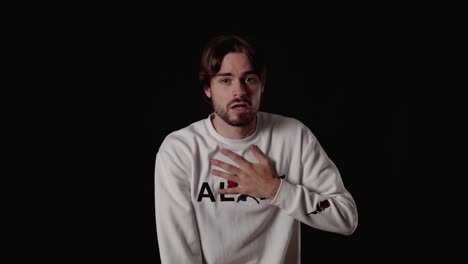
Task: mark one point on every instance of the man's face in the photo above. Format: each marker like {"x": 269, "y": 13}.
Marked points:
{"x": 235, "y": 90}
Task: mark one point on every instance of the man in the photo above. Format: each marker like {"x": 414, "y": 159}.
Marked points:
{"x": 233, "y": 188}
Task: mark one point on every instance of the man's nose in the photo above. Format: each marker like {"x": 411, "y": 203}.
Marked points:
{"x": 239, "y": 89}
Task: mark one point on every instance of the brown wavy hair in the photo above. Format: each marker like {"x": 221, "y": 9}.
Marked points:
{"x": 218, "y": 47}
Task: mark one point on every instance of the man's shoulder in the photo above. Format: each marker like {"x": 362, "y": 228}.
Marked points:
{"x": 189, "y": 130}
{"x": 184, "y": 135}
{"x": 287, "y": 128}
{"x": 282, "y": 121}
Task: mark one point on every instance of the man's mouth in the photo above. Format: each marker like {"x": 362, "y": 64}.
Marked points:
{"x": 240, "y": 107}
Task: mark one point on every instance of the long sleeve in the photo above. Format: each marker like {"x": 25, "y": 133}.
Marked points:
{"x": 317, "y": 197}
{"x": 177, "y": 232}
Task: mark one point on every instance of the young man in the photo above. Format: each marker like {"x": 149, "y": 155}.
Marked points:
{"x": 233, "y": 188}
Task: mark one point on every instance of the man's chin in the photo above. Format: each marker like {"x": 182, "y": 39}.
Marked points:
{"x": 241, "y": 119}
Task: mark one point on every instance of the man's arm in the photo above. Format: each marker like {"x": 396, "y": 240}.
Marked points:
{"x": 177, "y": 232}
{"x": 319, "y": 199}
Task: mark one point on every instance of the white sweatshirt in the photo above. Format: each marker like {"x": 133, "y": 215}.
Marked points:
{"x": 197, "y": 225}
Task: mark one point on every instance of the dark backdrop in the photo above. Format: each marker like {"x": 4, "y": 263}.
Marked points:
{"x": 132, "y": 83}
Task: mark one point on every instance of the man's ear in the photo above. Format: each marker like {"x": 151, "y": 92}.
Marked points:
{"x": 207, "y": 90}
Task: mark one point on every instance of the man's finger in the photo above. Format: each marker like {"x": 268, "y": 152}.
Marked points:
{"x": 261, "y": 157}
{"x": 224, "y": 175}
{"x": 236, "y": 158}
{"x": 226, "y": 166}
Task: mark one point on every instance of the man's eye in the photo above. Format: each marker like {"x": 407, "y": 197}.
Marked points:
{"x": 225, "y": 81}
{"x": 251, "y": 80}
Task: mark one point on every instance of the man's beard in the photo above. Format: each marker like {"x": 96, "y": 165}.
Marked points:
{"x": 242, "y": 119}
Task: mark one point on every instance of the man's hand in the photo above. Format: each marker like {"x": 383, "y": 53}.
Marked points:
{"x": 257, "y": 180}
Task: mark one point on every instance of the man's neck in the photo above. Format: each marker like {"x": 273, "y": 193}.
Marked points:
{"x": 233, "y": 132}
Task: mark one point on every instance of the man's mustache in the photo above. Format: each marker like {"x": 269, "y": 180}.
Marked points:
{"x": 240, "y": 100}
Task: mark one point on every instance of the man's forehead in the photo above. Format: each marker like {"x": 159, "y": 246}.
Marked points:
{"x": 238, "y": 59}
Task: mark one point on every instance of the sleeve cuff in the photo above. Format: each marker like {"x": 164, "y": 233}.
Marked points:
{"x": 271, "y": 201}
{"x": 285, "y": 195}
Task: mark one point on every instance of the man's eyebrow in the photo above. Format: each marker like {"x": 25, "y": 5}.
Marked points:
{"x": 223, "y": 74}
{"x": 230, "y": 74}
{"x": 250, "y": 72}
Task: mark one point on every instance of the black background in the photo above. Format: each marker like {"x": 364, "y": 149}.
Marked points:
{"x": 127, "y": 81}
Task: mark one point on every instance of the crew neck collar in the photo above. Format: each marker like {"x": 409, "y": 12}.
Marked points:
{"x": 232, "y": 142}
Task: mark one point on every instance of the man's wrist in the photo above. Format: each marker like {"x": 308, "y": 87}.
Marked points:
{"x": 276, "y": 184}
